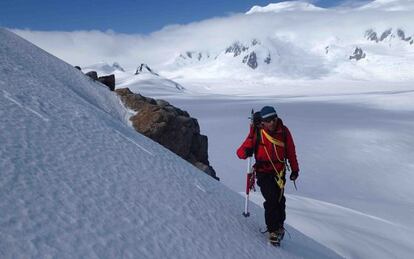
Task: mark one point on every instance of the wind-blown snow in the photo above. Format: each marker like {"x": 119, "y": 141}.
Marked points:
{"x": 78, "y": 182}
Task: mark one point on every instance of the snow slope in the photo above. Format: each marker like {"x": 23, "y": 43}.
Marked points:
{"x": 356, "y": 158}
{"x": 150, "y": 82}
{"x": 354, "y": 147}
{"x": 77, "y": 182}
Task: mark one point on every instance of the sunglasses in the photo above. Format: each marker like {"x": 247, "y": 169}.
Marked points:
{"x": 270, "y": 119}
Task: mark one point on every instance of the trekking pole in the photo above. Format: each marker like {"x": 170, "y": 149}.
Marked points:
{"x": 249, "y": 175}
{"x": 288, "y": 169}
{"x": 249, "y": 178}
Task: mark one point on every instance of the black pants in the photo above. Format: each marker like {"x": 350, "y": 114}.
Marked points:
{"x": 274, "y": 206}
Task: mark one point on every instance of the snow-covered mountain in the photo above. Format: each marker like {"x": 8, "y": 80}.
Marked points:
{"x": 104, "y": 68}
{"x": 253, "y": 58}
{"x": 389, "y": 5}
{"x": 390, "y": 36}
{"x": 142, "y": 80}
{"x": 297, "y": 40}
{"x": 284, "y": 7}
{"x": 285, "y": 59}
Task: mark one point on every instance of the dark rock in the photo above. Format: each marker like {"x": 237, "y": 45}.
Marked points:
{"x": 237, "y": 48}
{"x": 371, "y": 35}
{"x": 200, "y": 143}
{"x": 251, "y": 60}
{"x": 358, "y": 54}
{"x": 207, "y": 169}
{"x": 93, "y": 75}
{"x": 134, "y": 101}
{"x": 268, "y": 59}
{"x": 385, "y": 34}
{"x": 255, "y": 42}
{"x": 108, "y": 81}
{"x": 401, "y": 35}
{"x": 78, "y": 68}
{"x": 162, "y": 103}
{"x": 170, "y": 126}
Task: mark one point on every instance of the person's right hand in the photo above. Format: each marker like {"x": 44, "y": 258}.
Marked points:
{"x": 248, "y": 152}
{"x": 257, "y": 119}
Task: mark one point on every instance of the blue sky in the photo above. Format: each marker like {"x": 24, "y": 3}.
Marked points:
{"x": 126, "y": 16}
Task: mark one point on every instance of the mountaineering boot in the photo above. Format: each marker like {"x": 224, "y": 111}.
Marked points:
{"x": 280, "y": 234}
{"x": 274, "y": 238}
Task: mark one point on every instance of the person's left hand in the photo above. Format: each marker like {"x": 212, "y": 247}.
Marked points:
{"x": 294, "y": 175}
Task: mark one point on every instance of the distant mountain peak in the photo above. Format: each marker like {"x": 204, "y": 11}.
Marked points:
{"x": 236, "y": 49}
{"x": 104, "y": 67}
{"x": 284, "y": 7}
{"x": 194, "y": 55}
{"x": 389, "y": 34}
{"x": 389, "y": 5}
{"x": 144, "y": 68}
{"x": 117, "y": 66}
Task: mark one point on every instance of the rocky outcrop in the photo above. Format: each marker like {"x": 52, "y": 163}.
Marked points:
{"x": 401, "y": 35}
{"x": 358, "y": 54}
{"x": 251, "y": 60}
{"x": 108, "y": 81}
{"x": 236, "y": 49}
{"x": 170, "y": 127}
{"x": 92, "y": 74}
{"x": 268, "y": 59}
{"x": 385, "y": 34}
{"x": 388, "y": 34}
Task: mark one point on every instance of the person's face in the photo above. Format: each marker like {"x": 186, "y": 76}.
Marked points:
{"x": 269, "y": 124}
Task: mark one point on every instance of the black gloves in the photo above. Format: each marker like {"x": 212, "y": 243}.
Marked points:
{"x": 257, "y": 119}
{"x": 248, "y": 152}
{"x": 294, "y": 175}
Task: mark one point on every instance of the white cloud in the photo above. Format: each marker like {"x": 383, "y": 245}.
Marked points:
{"x": 353, "y": 3}
{"x": 303, "y": 28}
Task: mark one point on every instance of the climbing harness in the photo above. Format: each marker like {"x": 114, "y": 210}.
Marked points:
{"x": 278, "y": 174}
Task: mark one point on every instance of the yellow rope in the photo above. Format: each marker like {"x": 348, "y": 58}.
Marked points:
{"x": 279, "y": 175}
{"x": 272, "y": 139}
{"x": 279, "y": 181}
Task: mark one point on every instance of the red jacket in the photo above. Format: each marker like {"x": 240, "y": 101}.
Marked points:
{"x": 262, "y": 164}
